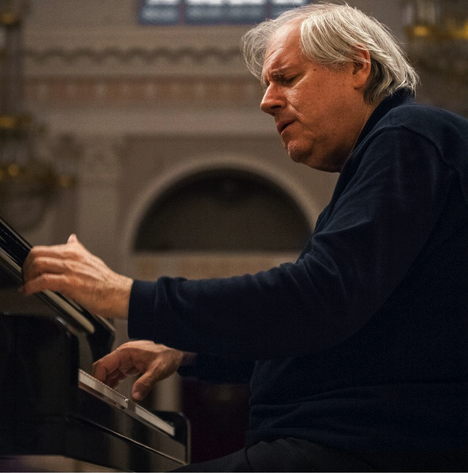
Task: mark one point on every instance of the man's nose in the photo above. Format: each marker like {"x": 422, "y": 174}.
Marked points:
{"x": 272, "y": 100}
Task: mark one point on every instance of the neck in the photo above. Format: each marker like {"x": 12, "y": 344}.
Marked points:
{"x": 366, "y": 113}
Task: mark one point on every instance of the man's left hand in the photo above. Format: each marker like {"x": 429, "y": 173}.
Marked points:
{"x": 152, "y": 361}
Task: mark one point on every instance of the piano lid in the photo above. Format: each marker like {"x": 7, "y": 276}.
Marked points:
{"x": 13, "y": 251}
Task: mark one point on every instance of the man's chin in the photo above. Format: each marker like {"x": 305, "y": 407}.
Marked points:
{"x": 305, "y": 155}
{"x": 296, "y": 155}
{"x": 313, "y": 162}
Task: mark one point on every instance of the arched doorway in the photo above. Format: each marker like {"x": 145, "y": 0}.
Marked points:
{"x": 223, "y": 210}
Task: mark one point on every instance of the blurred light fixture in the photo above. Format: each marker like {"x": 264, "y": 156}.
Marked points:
{"x": 437, "y": 31}
{"x": 27, "y": 183}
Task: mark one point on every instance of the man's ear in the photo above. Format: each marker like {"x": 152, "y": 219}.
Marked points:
{"x": 361, "y": 67}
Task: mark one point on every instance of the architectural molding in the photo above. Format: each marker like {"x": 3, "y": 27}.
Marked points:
{"x": 73, "y": 91}
{"x": 126, "y": 55}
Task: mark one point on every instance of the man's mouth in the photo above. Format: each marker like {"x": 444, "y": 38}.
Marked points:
{"x": 281, "y": 126}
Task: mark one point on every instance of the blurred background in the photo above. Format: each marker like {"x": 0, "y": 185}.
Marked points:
{"x": 135, "y": 124}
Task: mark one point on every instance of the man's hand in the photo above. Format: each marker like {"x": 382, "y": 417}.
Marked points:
{"x": 72, "y": 270}
{"x": 152, "y": 361}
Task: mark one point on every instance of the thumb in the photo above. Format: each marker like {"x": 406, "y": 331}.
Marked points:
{"x": 72, "y": 238}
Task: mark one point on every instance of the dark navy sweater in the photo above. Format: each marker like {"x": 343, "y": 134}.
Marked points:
{"x": 362, "y": 343}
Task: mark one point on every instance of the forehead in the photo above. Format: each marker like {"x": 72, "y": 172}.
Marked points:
{"x": 283, "y": 48}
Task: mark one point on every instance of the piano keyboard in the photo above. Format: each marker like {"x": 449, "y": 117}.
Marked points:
{"x": 96, "y": 387}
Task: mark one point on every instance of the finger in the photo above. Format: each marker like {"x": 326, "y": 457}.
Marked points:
{"x": 144, "y": 384}
{"x": 45, "y": 265}
{"x": 39, "y": 256}
{"x": 51, "y": 282}
{"x": 114, "y": 379}
{"x": 53, "y": 250}
{"x": 71, "y": 251}
{"x": 114, "y": 367}
{"x": 100, "y": 371}
{"x": 107, "y": 365}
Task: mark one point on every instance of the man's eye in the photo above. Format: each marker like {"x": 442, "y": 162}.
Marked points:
{"x": 288, "y": 80}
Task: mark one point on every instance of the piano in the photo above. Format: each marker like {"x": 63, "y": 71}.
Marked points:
{"x": 54, "y": 415}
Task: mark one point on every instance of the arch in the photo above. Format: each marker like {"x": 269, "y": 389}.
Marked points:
{"x": 199, "y": 164}
{"x": 223, "y": 210}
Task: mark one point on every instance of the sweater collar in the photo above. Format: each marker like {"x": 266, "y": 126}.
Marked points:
{"x": 400, "y": 97}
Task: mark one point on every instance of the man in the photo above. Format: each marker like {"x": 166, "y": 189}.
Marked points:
{"x": 358, "y": 349}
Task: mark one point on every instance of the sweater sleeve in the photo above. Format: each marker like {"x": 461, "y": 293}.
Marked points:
{"x": 388, "y": 200}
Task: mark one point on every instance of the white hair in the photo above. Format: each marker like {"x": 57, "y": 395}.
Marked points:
{"x": 332, "y": 35}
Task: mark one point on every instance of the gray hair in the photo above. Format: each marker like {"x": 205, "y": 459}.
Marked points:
{"x": 332, "y": 35}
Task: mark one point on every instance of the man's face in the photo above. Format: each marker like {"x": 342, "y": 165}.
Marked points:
{"x": 319, "y": 111}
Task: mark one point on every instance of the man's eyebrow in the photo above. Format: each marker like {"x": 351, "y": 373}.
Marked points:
{"x": 279, "y": 74}
{"x": 276, "y": 74}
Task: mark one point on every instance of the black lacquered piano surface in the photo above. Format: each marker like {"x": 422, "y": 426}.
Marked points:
{"x": 54, "y": 415}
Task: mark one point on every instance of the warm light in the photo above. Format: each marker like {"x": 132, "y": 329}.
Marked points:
{"x": 420, "y": 31}
{"x": 66, "y": 182}
{"x": 10, "y": 122}
{"x": 462, "y": 33}
{"x": 13, "y": 170}
{"x": 27, "y": 181}
{"x": 9, "y": 18}
{"x": 438, "y": 32}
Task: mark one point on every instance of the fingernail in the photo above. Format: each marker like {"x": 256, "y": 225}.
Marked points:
{"x": 137, "y": 396}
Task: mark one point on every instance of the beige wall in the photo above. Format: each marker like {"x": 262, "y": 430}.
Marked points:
{"x": 127, "y": 103}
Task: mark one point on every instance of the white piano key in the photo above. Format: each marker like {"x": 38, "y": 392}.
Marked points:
{"x": 90, "y": 382}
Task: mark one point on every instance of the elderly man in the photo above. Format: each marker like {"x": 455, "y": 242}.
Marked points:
{"x": 357, "y": 352}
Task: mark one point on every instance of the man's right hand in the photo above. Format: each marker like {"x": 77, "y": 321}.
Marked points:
{"x": 78, "y": 274}
{"x": 152, "y": 361}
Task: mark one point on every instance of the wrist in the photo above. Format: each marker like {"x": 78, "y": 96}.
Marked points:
{"x": 123, "y": 296}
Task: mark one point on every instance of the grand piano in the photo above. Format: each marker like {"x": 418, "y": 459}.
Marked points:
{"x": 54, "y": 415}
